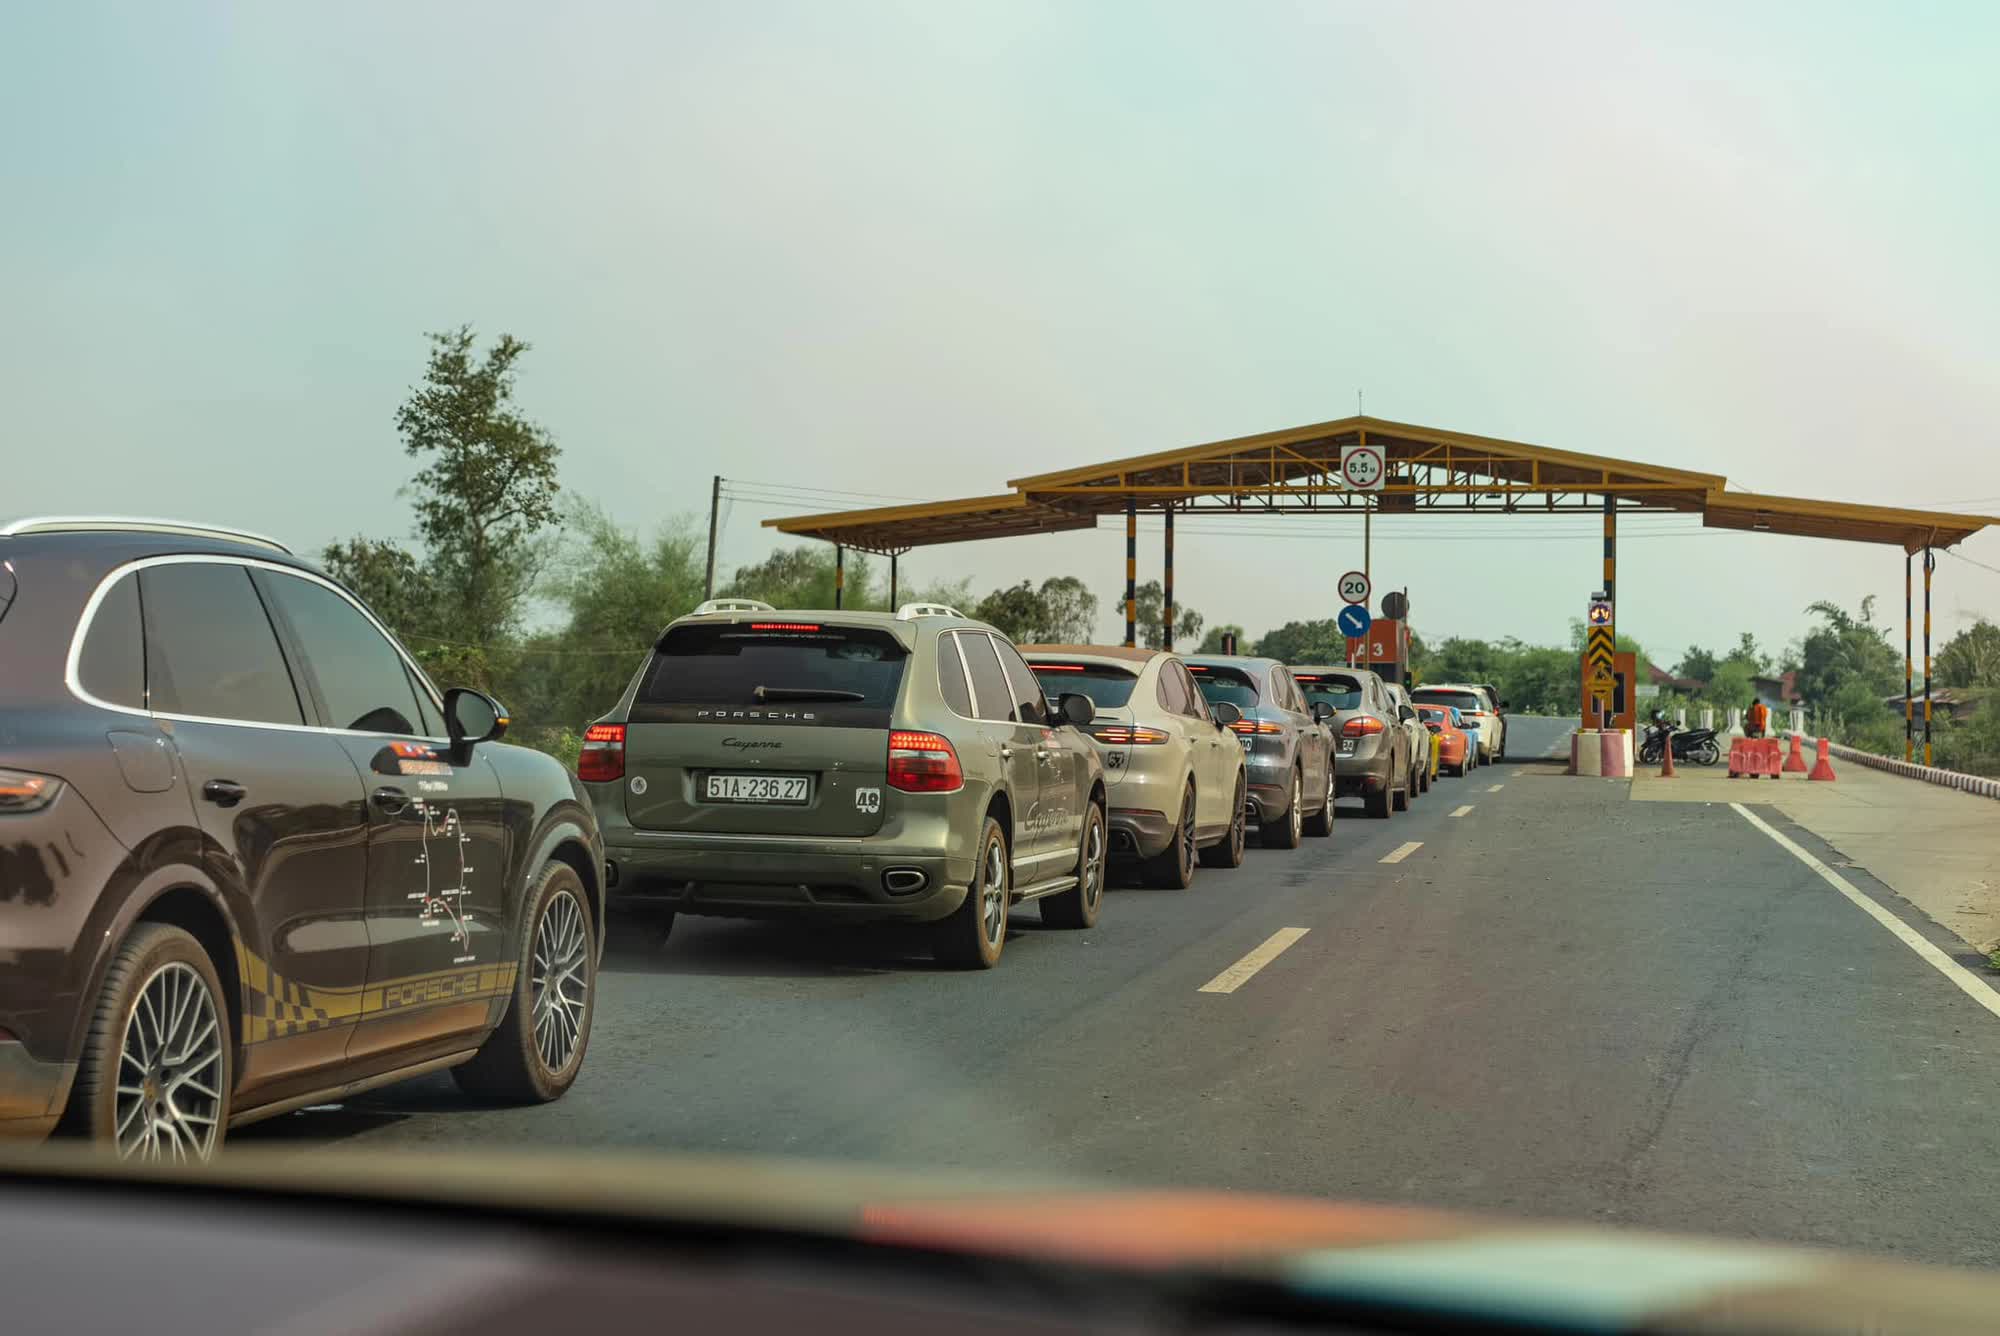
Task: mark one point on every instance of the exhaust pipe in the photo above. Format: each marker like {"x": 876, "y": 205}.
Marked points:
{"x": 904, "y": 880}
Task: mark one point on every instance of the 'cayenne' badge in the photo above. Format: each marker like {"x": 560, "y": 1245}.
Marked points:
{"x": 638, "y": 783}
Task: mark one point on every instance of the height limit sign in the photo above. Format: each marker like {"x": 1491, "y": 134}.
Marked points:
{"x": 1363, "y": 467}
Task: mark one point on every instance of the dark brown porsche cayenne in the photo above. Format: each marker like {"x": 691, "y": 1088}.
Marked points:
{"x": 250, "y": 858}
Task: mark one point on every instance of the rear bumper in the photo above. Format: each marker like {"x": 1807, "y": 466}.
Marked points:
{"x": 1138, "y": 834}
{"x": 754, "y": 880}
{"x": 1365, "y": 769}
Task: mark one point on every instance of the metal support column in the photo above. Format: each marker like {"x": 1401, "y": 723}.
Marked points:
{"x": 1131, "y": 573}
{"x": 1167, "y": 590}
{"x": 1909, "y": 705}
{"x": 839, "y": 573}
{"x": 1930, "y": 564}
{"x": 892, "y": 582}
{"x": 1611, "y": 592}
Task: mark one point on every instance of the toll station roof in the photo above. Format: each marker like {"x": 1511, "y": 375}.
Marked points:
{"x": 1428, "y": 471}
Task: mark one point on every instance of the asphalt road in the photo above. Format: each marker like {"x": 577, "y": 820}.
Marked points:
{"x": 1560, "y": 1004}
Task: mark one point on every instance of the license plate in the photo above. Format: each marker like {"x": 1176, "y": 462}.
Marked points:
{"x": 758, "y": 788}
{"x": 1347, "y": 746}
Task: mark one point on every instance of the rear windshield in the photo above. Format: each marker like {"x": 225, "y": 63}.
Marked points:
{"x": 1108, "y": 688}
{"x": 825, "y": 671}
{"x": 1434, "y": 714}
{"x": 1337, "y": 690}
{"x": 1458, "y": 700}
{"x": 1225, "y": 684}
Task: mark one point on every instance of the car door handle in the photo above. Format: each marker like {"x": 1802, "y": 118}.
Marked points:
{"x": 391, "y": 799}
{"x": 223, "y": 792}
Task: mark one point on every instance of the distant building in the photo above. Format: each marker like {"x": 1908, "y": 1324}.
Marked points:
{"x": 1946, "y": 702}
{"x": 1667, "y": 682}
{"x": 1780, "y": 692}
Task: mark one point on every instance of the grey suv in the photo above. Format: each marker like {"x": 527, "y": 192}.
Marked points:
{"x": 849, "y": 767}
{"x": 1375, "y": 755}
{"x": 1287, "y": 744}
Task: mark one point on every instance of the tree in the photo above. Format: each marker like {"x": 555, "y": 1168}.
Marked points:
{"x": 389, "y": 580}
{"x": 1747, "y": 654}
{"x": 803, "y": 577}
{"x": 1972, "y": 658}
{"x": 487, "y": 486}
{"x": 1845, "y": 650}
{"x": 1730, "y": 686}
{"x": 1304, "y": 642}
{"x": 1061, "y": 612}
{"x": 1212, "y": 640}
{"x": 1697, "y": 665}
{"x": 1152, "y": 599}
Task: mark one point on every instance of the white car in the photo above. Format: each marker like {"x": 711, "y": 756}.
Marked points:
{"x": 1420, "y": 737}
{"x": 1481, "y": 711}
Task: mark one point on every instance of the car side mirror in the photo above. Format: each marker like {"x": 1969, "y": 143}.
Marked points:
{"x": 1322, "y": 712}
{"x": 1076, "y": 708}
{"x": 471, "y": 717}
{"x": 1406, "y": 713}
{"x": 1225, "y": 713}
{"x": 1435, "y": 728}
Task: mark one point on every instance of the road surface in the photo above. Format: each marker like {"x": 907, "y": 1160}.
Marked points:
{"x": 1528, "y": 994}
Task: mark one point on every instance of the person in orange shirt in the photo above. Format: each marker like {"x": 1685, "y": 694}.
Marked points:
{"x": 1757, "y": 719}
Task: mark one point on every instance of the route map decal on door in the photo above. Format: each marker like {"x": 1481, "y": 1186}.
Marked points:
{"x": 443, "y": 906}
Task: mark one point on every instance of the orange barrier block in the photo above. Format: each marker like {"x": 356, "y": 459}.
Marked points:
{"x": 1795, "y": 764}
{"x": 1823, "y": 767}
{"x": 1736, "y": 758}
{"x": 1774, "y": 758}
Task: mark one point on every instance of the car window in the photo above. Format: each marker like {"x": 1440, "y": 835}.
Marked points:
{"x": 1172, "y": 692}
{"x": 992, "y": 698}
{"x": 1341, "y": 691}
{"x": 1197, "y": 706}
{"x": 822, "y": 668}
{"x": 1224, "y": 684}
{"x": 1461, "y": 700}
{"x": 359, "y": 675}
{"x": 112, "y": 664}
{"x": 1286, "y": 691}
{"x": 1108, "y": 688}
{"x": 1026, "y": 688}
{"x": 210, "y": 649}
{"x": 951, "y": 677}
{"x": 428, "y": 720}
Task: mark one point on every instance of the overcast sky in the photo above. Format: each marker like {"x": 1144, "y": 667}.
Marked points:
{"x": 914, "y": 250}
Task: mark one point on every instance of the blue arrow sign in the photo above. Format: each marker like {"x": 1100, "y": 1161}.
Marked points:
{"x": 1353, "y": 621}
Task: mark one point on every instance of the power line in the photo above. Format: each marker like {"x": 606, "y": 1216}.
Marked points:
{"x": 1969, "y": 561}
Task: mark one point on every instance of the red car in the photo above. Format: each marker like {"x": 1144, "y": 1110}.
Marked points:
{"x": 1454, "y": 743}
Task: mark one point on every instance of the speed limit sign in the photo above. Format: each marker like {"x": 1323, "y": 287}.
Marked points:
{"x": 1354, "y": 587}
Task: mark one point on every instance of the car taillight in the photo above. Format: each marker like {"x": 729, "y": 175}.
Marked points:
{"x": 603, "y": 754}
{"x": 1360, "y": 726}
{"x": 1257, "y": 726}
{"x": 1122, "y": 735}
{"x": 923, "y": 763}
{"x": 23, "y": 792}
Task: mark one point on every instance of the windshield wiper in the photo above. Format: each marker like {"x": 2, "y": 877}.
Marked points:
{"x": 806, "y": 693}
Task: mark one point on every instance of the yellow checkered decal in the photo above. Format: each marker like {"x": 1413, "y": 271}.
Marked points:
{"x": 275, "y": 1007}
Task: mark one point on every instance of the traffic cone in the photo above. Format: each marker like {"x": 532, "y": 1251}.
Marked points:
{"x": 1795, "y": 764}
{"x": 1667, "y": 759}
{"x": 1823, "y": 767}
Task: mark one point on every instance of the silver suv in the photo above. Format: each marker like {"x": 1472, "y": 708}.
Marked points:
{"x": 1175, "y": 774}
{"x": 849, "y": 767}
{"x": 1287, "y": 744}
{"x": 1374, "y": 755}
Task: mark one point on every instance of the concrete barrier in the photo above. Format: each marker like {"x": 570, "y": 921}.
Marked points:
{"x": 1601, "y": 753}
{"x": 1928, "y": 774}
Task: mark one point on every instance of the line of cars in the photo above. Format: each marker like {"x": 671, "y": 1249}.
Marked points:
{"x": 252, "y": 858}
{"x": 918, "y": 766}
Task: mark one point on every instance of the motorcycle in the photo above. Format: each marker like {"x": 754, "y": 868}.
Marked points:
{"x": 1694, "y": 744}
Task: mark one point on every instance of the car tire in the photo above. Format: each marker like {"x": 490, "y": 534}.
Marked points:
{"x": 536, "y": 1051}
{"x": 1284, "y": 833}
{"x": 1378, "y": 803}
{"x": 1400, "y": 797}
{"x": 1320, "y": 823}
{"x": 1172, "y": 868}
{"x": 1077, "y": 907}
{"x": 969, "y": 937}
{"x": 156, "y": 962}
{"x": 1228, "y": 851}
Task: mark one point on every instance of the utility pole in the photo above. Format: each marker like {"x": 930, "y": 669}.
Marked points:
{"x": 714, "y": 508}
{"x": 1367, "y": 565}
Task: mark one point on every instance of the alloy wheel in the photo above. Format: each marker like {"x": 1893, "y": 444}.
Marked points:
{"x": 993, "y": 892}
{"x": 1239, "y": 824}
{"x": 1187, "y": 830}
{"x": 558, "y": 981}
{"x": 169, "y": 1097}
{"x": 1093, "y": 864}
{"x": 1297, "y": 818}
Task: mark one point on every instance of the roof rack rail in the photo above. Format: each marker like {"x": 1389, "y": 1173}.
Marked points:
{"x": 733, "y": 605}
{"x": 909, "y": 612}
{"x": 135, "y": 524}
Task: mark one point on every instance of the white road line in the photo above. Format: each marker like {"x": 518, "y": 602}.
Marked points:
{"x": 1463, "y": 810}
{"x": 1494, "y": 788}
{"x": 1400, "y": 854}
{"x": 1964, "y": 979}
{"x": 1239, "y": 974}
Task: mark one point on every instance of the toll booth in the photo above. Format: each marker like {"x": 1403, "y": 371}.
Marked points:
{"x": 1612, "y": 702}
{"x": 1385, "y": 650}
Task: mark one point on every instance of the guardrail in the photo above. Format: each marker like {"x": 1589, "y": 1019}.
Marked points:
{"x": 1928, "y": 774}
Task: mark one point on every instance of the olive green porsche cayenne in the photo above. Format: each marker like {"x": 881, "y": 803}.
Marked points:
{"x": 849, "y": 767}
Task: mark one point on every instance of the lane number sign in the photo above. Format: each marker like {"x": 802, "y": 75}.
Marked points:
{"x": 1362, "y": 467}
{"x": 1354, "y": 587}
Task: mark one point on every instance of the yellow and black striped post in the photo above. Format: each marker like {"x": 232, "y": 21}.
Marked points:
{"x": 1131, "y": 573}
{"x": 1930, "y": 564}
{"x": 892, "y": 582}
{"x": 1167, "y": 590}
{"x": 1909, "y": 704}
{"x": 839, "y": 573}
